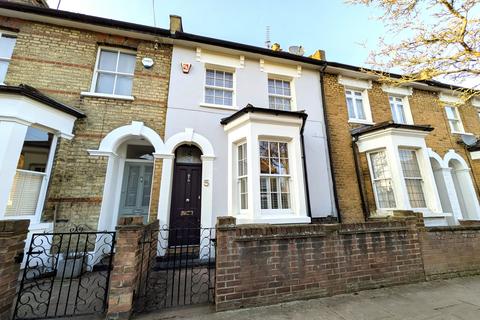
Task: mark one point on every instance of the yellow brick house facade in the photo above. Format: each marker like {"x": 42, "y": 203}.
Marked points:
{"x": 431, "y": 170}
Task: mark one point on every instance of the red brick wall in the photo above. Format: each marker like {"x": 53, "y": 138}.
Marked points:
{"x": 451, "y": 251}
{"x": 12, "y": 243}
{"x": 265, "y": 264}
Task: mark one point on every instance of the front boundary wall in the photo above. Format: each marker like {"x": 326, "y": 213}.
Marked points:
{"x": 267, "y": 264}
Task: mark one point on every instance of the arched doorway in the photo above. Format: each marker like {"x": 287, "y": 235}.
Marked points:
{"x": 186, "y": 201}
{"x": 464, "y": 189}
{"x": 439, "y": 175}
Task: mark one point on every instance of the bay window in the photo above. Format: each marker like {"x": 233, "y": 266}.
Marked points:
{"x": 413, "y": 178}
{"x": 382, "y": 180}
{"x": 274, "y": 175}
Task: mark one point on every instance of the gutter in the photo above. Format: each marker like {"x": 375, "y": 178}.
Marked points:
{"x": 305, "y": 175}
{"x": 329, "y": 145}
{"x": 360, "y": 182}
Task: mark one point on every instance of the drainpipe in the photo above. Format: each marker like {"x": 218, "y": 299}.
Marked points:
{"x": 360, "y": 181}
{"x": 305, "y": 175}
{"x": 329, "y": 145}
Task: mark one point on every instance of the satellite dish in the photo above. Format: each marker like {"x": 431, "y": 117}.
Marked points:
{"x": 297, "y": 50}
{"x": 468, "y": 139}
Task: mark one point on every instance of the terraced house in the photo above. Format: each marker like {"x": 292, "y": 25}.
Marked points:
{"x": 411, "y": 147}
{"x": 138, "y": 132}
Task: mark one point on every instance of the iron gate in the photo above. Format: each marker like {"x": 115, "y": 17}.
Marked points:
{"x": 178, "y": 268}
{"x": 65, "y": 274}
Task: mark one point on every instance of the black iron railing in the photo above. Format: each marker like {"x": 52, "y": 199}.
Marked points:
{"x": 65, "y": 274}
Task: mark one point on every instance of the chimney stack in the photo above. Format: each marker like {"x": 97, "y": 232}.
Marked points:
{"x": 175, "y": 24}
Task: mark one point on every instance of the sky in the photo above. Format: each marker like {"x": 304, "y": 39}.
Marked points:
{"x": 346, "y": 32}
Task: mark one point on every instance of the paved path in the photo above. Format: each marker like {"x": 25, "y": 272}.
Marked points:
{"x": 444, "y": 299}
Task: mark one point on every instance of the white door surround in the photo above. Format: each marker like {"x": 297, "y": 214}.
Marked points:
{"x": 208, "y": 156}
{"x": 110, "y": 147}
{"x": 458, "y": 192}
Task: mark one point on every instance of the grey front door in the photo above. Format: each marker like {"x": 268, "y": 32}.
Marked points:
{"x": 136, "y": 189}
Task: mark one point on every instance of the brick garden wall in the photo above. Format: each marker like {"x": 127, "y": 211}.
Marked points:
{"x": 266, "y": 264}
{"x": 12, "y": 242}
{"x": 451, "y": 251}
{"x": 59, "y": 61}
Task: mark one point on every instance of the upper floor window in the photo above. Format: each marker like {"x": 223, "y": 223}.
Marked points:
{"x": 382, "y": 180}
{"x": 413, "y": 178}
{"x": 279, "y": 94}
{"x": 274, "y": 175}
{"x": 242, "y": 175}
{"x": 7, "y": 43}
{"x": 397, "y": 106}
{"x": 114, "y": 72}
{"x": 219, "y": 87}
{"x": 355, "y": 105}
{"x": 454, "y": 120}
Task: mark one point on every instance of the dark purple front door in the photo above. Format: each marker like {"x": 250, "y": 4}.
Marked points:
{"x": 186, "y": 205}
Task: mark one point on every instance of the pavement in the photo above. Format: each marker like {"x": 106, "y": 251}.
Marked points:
{"x": 450, "y": 299}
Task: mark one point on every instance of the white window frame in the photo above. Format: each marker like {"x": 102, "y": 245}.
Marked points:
{"x": 205, "y": 86}
{"x": 96, "y": 71}
{"x": 273, "y": 175}
{"x": 458, "y": 118}
{"x": 359, "y": 85}
{"x": 245, "y": 175}
{"x": 373, "y": 180}
{"x": 420, "y": 178}
{"x": 406, "y": 108}
{"x": 5, "y": 59}
{"x": 292, "y": 91}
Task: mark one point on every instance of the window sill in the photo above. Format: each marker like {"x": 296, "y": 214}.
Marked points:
{"x": 464, "y": 133}
{"x": 106, "y": 96}
{"x": 355, "y": 121}
{"x": 217, "y": 106}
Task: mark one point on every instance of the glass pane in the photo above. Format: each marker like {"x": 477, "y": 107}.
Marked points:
{"x": 384, "y": 193}
{"x": 284, "y": 188}
{"x": 105, "y": 83}
{"x": 6, "y": 46}
{"x": 264, "y": 200}
{"x": 415, "y": 193}
{"x": 126, "y": 63}
{"x": 263, "y": 185}
{"x": 147, "y": 185}
{"x": 360, "y": 111}
{"x": 209, "y": 93}
{"x": 273, "y": 149}
{"x": 188, "y": 154}
{"x": 124, "y": 85}
{"x": 132, "y": 184}
{"x": 274, "y": 166}
{"x": 264, "y": 165}
{"x": 285, "y": 201}
{"x": 3, "y": 70}
{"x": 451, "y": 114}
{"x": 229, "y": 80}
{"x": 455, "y": 125}
{"x": 380, "y": 165}
{"x": 35, "y": 150}
{"x": 283, "y": 150}
{"x": 263, "y": 148}
{"x": 108, "y": 60}
{"x": 283, "y": 169}
{"x": 140, "y": 152}
{"x": 351, "y": 111}
{"x": 408, "y": 159}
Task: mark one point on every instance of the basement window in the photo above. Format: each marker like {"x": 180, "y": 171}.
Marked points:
{"x": 7, "y": 44}
{"x": 114, "y": 72}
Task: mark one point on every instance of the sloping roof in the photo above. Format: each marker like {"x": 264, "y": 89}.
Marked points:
{"x": 160, "y": 32}
{"x": 251, "y": 109}
{"x": 389, "y": 124}
{"x": 36, "y": 95}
